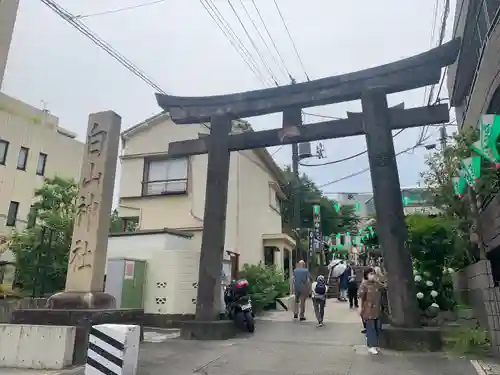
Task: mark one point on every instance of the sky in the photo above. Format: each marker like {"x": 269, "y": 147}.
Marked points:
{"x": 180, "y": 47}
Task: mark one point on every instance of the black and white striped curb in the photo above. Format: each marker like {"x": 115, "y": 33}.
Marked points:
{"x": 113, "y": 349}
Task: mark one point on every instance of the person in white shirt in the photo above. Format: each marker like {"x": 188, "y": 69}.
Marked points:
{"x": 319, "y": 290}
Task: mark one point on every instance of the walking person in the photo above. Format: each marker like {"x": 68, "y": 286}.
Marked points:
{"x": 319, "y": 290}
{"x": 370, "y": 295}
{"x": 301, "y": 288}
{"x": 352, "y": 287}
{"x": 343, "y": 282}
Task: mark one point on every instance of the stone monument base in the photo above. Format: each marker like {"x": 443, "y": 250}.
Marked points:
{"x": 81, "y": 300}
{"x": 208, "y": 330}
{"x": 82, "y": 319}
{"x": 423, "y": 339}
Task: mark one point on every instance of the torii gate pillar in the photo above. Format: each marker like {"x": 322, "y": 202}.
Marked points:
{"x": 391, "y": 228}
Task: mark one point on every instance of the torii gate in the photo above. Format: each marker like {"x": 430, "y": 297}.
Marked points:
{"x": 376, "y": 122}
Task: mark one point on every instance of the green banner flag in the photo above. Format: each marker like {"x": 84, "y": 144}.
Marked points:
{"x": 486, "y": 154}
{"x": 490, "y": 131}
{"x": 472, "y": 170}
{"x": 459, "y": 184}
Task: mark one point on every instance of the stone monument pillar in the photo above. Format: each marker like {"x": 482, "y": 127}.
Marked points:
{"x": 87, "y": 258}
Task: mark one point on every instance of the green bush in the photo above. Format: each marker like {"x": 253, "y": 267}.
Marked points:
{"x": 468, "y": 341}
{"x": 265, "y": 284}
{"x": 431, "y": 246}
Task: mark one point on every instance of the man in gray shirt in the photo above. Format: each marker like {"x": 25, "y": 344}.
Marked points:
{"x": 301, "y": 287}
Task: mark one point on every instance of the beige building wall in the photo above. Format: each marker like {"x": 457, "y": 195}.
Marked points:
{"x": 8, "y": 13}
{"x": 22, "y": 125}
{"x": 250, "y": 195}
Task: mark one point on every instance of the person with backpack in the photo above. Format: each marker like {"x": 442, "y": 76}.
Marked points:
{"x": 319, "y": 289}
{"x": 352, "y": 287}
{"x": 301, "y": 289}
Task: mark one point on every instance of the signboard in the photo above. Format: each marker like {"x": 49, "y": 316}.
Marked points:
{"x": 129, "y": 270}
{"x": 317, "y": 227}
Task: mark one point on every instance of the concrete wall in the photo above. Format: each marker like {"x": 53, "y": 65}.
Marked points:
{"x": 7, "y": 306}
{"x": 474, "y": 286}
{"x": 36, "y": 347}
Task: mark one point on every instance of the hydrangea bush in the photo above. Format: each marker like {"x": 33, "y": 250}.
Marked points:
{"x": 431, "y": 246}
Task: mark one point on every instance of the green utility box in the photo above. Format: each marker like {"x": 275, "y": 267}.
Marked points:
{"x": 125, "y": 280}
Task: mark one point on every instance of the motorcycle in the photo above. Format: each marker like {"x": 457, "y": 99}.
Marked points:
{"x": 239, "y": 305}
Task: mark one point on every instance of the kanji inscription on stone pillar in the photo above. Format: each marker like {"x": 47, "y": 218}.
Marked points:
{"x": 87, "y": 258}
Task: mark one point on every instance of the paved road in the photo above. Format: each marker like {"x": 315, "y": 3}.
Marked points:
{"x": 281, "y": 346}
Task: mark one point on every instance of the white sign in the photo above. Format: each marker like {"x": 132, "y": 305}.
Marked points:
{"x": 129, "y": 270}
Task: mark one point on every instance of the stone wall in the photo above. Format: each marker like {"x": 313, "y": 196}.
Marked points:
{"x": 7, "y": 306}
{"x": 474, "y": 286}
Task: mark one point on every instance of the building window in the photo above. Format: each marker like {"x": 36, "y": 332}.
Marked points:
{"x": 130, "y": 224}
{"x": 274, "y": 201}
{"x": 22, "y": 159}
{"x": 12, "y": 214}
{"x": 42, "y": 160}
{"x": 4, "y": 147}
{"x": 165, "y": 176}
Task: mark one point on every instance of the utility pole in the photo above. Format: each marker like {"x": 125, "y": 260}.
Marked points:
{"x": 296, "y": 199}
{"x": 442, "y": 137}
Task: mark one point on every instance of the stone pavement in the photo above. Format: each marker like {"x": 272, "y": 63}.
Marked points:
{"x": 281, "y": 346}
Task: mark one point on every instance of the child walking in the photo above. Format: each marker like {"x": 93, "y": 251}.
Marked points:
{"x": 370, "y": 295}
{"x": 319, "y": 290}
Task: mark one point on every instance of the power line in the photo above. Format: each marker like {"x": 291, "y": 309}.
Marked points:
{"x": 253, "y": 43}
{"x": 79, "y": 17}
{"x": 233, "y": 38}
{"x": 83, "y": 29}
{"x": 410, "y": 149}
{"x": 291, "y": 39}
{"x": 433, "y": 31}
{"x": 281, "y": 66}
{"x": 272, "y": 40}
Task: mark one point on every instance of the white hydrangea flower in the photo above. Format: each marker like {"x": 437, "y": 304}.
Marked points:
{"x": 420, "y": 295}
{"x": 435, "y": 305}
{"x": 429, "y": 283}
{"x": 427, "y": 274}
{"x": 451, "y": 270}
{"x": 418, "y": 278}
{"x": 434, "y": 294}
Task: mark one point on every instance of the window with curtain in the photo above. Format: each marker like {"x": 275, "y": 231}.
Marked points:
{"x": 165, "y": 176}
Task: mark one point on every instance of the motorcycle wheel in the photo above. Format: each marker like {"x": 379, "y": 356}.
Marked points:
{"x": 239, "y": 321}
{"x": 250, "y": 322}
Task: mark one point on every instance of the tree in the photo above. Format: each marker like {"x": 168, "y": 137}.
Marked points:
{"x": 461, "y": 212}
{"x": 332, "y": 222}
{"x": 42, "y": 249}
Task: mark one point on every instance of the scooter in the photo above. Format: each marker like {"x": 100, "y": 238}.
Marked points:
{"x": 239, "y": 305}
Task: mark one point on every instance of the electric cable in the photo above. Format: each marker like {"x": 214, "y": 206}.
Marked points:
{"x": 112, "y": 11}
{"x": 83, "y": 29}
{"x": 252, "y": 42}
{"x": 233, "y": 38}
{"x": 433, "y": 32}
{"x": 280, "y": 65}
{"x": 291, "y": 39}
{"x": 410, "y": 149}
{"x": 272, "y": 40}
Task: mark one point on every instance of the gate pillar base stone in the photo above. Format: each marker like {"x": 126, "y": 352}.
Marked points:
{"x": 422, "y": 339}
{"x": 80, "y": 318}
{"x": 208, "y": 330}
